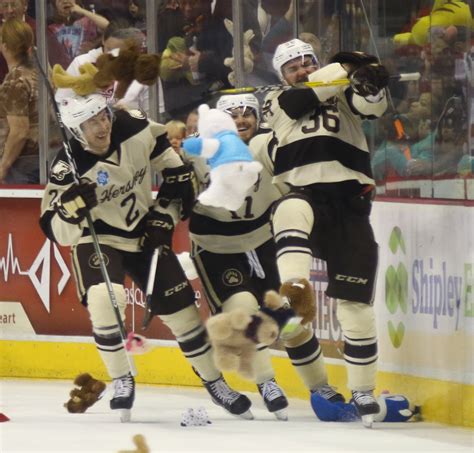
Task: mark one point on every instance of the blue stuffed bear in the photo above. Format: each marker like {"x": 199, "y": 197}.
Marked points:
{"x": 233, "y": 170}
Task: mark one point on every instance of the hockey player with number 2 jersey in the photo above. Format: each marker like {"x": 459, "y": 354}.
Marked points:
{"x": 115, "y": 155}
{"x": 322, "y": 154}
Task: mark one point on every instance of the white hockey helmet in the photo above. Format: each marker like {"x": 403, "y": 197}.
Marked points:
{"x": 232, "y": 101}
{"x": 78, "y": 109}
{"x": 290, "y": 50}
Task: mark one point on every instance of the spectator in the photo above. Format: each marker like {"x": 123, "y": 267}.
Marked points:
{"x": 77, "y": 29}
{"x": 16, "y": 9}
{"x": 137, "y": 14}
{"x": 176, "y": 133}
{"x": 114, "y": 38}
{"x": 170, "y": 22}
{"x": 19, "y": 162}
{"x": 208, "y": 43}
{"x": 191, "y": 122}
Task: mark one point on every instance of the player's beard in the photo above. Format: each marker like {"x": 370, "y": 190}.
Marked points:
{"x": 302, "y": 79}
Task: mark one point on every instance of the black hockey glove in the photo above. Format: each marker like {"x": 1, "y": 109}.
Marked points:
{"x": 76, "y": 201}
{"x": 356, "y": 59}
{"x": 159, "y": 229}
{"x": 369, "y": 80}
{"x": 179, "y": 183}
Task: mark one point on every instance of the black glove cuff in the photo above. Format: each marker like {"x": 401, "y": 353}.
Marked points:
{"x": 179, "y": 174}
{"x": 355, "y": 58}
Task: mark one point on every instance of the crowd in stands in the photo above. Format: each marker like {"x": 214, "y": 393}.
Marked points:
{"x": 424, "y": 134}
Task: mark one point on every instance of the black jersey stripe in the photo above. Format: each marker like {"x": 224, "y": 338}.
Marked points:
{"x": 313, "y": 150}
{"x": 203, "y": 225}
{"x": 162, "y": 144}
{"x": 101, "y": 227}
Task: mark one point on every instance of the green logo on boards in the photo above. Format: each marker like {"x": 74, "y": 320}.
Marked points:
{"x": 396, "y": 287}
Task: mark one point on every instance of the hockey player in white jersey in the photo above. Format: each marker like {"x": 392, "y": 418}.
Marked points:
{"x": 115, "y": 157}
{"x": 233, "y": 251}
{"x": 322, "y": 154}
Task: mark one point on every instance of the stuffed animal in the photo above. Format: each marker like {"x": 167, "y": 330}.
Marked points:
{"x": 233, "y": 170}
{"x": 121, "y": 67}
{"x": 299, "y": 294}
{"x": 89, "y": 392}
{"x": 248, "y": 55}
{"x": 171, "y": 69}
{"x": 236, "y": 334}
{"x": 445, "y": 15}
{"x": 395, "y": 408}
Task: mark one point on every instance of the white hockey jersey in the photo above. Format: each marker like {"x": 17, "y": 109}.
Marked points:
{"x": 218, "y": 230}
{"x": 124, "y": 184}
{"x": 325, "y": 145}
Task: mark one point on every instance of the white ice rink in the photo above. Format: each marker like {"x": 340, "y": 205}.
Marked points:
{"x": 40, "y": 423}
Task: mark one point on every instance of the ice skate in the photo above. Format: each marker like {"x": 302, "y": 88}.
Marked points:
{"x": 124, "y": 395}
{"x": 366, "y": 405}
{"x": 274, "y": 399}
{"x": 233, "y": 402}
{"x": 329, "y": 394}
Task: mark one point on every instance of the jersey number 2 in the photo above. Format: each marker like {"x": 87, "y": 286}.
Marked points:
{"x": 132, "y": 213}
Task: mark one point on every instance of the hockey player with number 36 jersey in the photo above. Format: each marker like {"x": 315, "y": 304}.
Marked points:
{"x": 322, "y": 154}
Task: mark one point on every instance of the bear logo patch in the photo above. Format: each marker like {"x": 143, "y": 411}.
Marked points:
{"x": 232, "y": 277}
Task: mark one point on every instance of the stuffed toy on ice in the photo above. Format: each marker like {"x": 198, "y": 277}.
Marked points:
{"x": 233, "y": 170}
{"x": 87, "y": 393}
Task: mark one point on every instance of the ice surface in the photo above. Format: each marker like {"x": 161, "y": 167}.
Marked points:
{"x": 40, "y": 423}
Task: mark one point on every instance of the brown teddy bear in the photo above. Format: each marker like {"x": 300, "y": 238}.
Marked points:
{"x": 299, "y": 294}
{"x": 235, "y": 335}
{"x": 89, "y": 392}
{"x": 130, "y": 64}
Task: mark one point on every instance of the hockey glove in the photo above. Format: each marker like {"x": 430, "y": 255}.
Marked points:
{"x": 368, "y": 80}
{"x": 159, "y": 229}
{"x": 76, "y": 201}
{"x": 356, "y": 59}
{"x": 179, "y": 183}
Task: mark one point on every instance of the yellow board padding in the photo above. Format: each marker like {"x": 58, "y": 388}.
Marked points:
{"x": 441, "y": 401}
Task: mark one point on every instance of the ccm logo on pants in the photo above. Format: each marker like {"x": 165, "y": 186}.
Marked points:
{"x": 349, "y": 279}
{"x": 176, "y": 289}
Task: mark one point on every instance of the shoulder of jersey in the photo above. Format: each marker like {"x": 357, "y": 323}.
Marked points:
{"x": 61, "y": 170}
{"x": 128, "y": 123}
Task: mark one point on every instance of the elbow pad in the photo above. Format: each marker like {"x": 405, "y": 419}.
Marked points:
{"x": 329, "y": 73}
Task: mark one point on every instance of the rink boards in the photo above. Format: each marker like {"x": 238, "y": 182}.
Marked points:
{"x": 424, "y": 305}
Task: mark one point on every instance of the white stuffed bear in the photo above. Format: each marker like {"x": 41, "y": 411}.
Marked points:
{"x": 233, "y": 170}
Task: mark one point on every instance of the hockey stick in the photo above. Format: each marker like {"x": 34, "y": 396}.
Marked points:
{"x": 405, "y": 77}
{"x": 147, "y": 317}
{"x": 126, "y": 340}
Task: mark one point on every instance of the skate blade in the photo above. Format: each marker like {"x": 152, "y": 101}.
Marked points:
{"x": 247, "y": 415}
{"x": 282, "y": 415}
{"x": 125, "y": 415}
{"x": 368, "y": 420}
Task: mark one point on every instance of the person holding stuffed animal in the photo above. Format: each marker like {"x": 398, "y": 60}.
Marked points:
{"x": 115, "y": 159}
{"x": 321, "y": 153}
{"x": 120, "y": 89}
{"x": 233, "y": 250}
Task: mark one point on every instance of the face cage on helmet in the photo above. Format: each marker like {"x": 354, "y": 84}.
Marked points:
{"x": 77, "y": 131}
{"x": 245, "y": 107}
{"x": 314, "y": 59}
